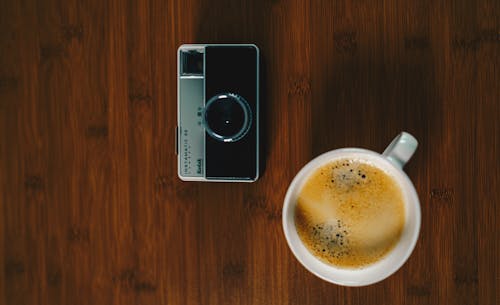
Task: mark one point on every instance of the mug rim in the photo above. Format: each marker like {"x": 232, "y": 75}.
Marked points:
{"x": 409, "y": 191}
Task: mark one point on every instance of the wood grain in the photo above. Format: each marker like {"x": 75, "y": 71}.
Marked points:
{"x": 92, "y": 211}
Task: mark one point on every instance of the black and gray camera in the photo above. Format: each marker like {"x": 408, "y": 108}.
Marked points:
{"x": 218, "y": 112}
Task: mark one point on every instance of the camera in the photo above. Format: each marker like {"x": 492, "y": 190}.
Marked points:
{"x": 218, "y": 112}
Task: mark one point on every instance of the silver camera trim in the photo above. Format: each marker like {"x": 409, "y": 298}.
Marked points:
{"x": 178, "y": 137}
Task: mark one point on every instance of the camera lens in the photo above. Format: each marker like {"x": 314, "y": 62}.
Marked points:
{"x": 227, "y": 117}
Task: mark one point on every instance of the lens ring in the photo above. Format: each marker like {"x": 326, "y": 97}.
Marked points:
{"x": 221, "y": 101}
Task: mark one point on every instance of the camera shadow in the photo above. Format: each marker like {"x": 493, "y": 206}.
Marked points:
{"x": 264, "y": 116}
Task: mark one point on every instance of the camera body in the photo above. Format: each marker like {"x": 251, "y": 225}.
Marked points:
{"x": 218, "y": 112}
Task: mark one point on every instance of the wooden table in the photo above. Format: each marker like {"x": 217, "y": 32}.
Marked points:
{"x": 92, "y": 211}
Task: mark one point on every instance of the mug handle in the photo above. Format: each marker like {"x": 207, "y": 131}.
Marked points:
{"x": 401, "y": 149}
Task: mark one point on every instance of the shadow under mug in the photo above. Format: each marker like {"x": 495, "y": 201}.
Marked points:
{"x": 391, "y": 161}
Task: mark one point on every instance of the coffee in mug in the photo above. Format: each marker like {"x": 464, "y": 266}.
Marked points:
{"x": 352, "y": 216}
{"x": 350, "y": 213}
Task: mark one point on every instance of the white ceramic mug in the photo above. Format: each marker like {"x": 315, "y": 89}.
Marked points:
{"x": 391, "y": 161}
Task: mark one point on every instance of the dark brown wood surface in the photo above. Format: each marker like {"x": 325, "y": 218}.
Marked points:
{"x": 92, "y": 211}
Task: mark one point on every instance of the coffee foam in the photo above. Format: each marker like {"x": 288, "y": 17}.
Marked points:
{"x": 350, "y": 213}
